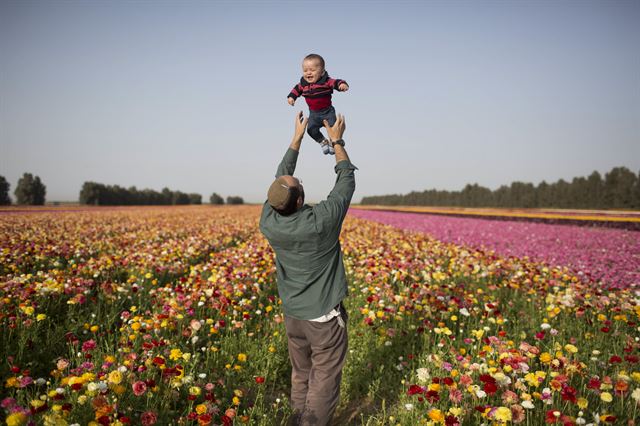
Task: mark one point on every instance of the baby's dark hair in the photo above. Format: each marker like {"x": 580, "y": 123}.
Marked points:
{"x": 315, "y": 56}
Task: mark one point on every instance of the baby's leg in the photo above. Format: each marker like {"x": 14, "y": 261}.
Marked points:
{"x": 313, "y": 127}
{"x": 330, "y": 116}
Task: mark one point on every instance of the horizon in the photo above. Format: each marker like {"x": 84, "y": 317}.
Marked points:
{"x": 205, "y": 197}
{"x": 192, "y": 96}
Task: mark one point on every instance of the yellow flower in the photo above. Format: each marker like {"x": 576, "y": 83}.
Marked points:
{"x": 201, "y": 408}
{"x": 175, "y": 354}
{"x": 41, "y": 317}
{"x": 456, "y": 411}
{"x": 436, "y": 415}
{"x": 115, "y": 377}
{"x": 606, "y": 397}
{"x": 532, "y": 379}
{"x": 570, "y": 348}
{"x": 195, "y": 390}
{"x": 545, "y": 357}
{"x": 37, "y": 403}
{"x": 502, "y": 414}
{"x": 236, "y": 400}
{"x": 582, "y": 403}
{"x": 16, "y": 419}
{"x": 242, "y": 357}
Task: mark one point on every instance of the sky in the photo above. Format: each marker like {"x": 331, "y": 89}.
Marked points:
{"x": 191, "y": 95}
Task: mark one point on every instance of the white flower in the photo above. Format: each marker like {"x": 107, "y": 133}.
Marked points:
{"x": 464, "y": 312}
{"x": 527, "y": 404}
{"x": 480, "y": 393}
{"x": 423, "y": 375}
{"x": 636, "y": 394}
{"x": 409, "y": 407}
{"x": 545, "y": 326}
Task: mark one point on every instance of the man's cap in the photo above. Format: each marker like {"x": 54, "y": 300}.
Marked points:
{"x": 279, "y": 194}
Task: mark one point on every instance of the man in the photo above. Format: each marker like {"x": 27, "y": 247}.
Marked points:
{"x": 311, "y": 277}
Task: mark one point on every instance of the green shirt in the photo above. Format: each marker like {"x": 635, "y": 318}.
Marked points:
{"x": 309, "y": 269}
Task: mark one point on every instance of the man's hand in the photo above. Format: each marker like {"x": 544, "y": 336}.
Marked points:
{"x": 343, "y": 87}
{"x": 291, "y": 101}
{"x": 336, "y": 131}
{"x": 298, "y": 134}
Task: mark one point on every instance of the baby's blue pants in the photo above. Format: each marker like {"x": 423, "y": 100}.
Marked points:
{"x": 315, "y": 122}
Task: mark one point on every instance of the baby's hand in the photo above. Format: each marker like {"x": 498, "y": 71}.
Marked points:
{"x": 291, "y": 101}
{"x": 343, "y": 87}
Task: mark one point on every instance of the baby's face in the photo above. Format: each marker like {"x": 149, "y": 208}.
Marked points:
{"x": 312, "y": 70}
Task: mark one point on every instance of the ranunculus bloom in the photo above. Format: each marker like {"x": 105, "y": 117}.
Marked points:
{"x": 139, "y": 388}
{"x": 88, "y": 345}
{"x": 148, "y": 418}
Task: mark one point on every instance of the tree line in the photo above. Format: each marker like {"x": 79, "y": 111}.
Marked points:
{"x": 31, "y": 191}
{"x": 619, "y": 189}
{"x": 99, "y": 194}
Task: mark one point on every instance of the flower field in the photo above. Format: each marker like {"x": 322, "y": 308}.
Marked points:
{"x": 171, "y": 316}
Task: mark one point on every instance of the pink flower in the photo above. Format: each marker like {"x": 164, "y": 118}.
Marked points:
{"x": 148, "y": 418}
{"x": 88, "y": 345}
{"x": 139, "y": 388}
{"x": 465, "y": 380}
{"x": 455, "y": 395}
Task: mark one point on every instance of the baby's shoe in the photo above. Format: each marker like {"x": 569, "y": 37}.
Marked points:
{"x": 326, "y": 147}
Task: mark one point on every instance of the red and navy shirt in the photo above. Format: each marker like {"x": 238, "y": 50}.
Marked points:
{"x": 317, "y": 95}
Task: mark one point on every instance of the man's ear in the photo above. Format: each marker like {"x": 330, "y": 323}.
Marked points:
{"x": 300, "y": 202}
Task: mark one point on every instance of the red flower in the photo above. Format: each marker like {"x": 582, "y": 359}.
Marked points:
{"x": 615, "y": 359}
{"x": 148, "y": 418}
{"x": 486, "y": 378}
{"x": 415, "y": 389}
{"x": 451, "y": 421}
{"x": 568, "y": 393}
{"x": 432, "y": 396}
{"x": 490, "y": 388}
{"x": 551, "y": 418}
{"x": 594, "y": 383}
{"x": 632, "y": 359}
{"x": 259, "y": 380}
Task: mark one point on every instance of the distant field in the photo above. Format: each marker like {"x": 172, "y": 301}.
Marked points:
{"x": 612, "y": 218}
{"x": 170, "y": 315}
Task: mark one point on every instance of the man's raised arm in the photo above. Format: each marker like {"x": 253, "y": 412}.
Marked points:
{"x": 288, "y": 164}
{"x": 337, "y": 203}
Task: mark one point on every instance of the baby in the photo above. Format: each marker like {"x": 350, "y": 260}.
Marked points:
{"x": 316, "y": 86}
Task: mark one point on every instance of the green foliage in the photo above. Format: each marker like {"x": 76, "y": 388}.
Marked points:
{"x": 216, "y": 199}
{"x": 30, "y": 190}
{"x": 4, "y": 192}
{"x": 234, "y": 200}
{"x": 98, "y": 194}
{"x": 620, "y": 189}
{"x": 195, "y": 198}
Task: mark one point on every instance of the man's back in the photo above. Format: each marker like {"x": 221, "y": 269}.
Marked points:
{"x": 310, "y": 271}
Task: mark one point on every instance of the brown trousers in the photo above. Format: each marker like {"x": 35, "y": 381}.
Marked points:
{"x": 317, "y": 351}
